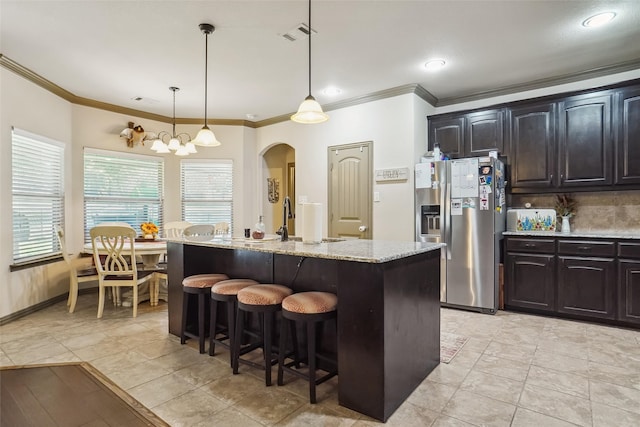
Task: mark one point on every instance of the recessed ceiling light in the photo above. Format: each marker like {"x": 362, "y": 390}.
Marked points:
{"x": 598, "y": 20}
{"x": 434, "y": 64}
{"x": 332, "y": 91}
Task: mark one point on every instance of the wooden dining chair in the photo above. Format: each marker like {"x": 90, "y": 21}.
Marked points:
{"x": 114, "y": 257}
{"x": 175, "y": 229}
{"x": 199, "y": 232}
{"x": 77, "y": 273}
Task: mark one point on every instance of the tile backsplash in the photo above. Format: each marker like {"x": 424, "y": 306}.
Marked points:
{"x": 599, "y": 211}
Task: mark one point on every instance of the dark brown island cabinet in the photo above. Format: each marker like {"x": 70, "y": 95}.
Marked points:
{"x": 388, "y": 327}
{"x": 579, "y": 141}
{"x": 581, "y": 278}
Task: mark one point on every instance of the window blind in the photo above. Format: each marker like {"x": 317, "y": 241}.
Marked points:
{"x": 37, "y": 174}
{"x": 207, "y": 191}
{"x": 122, "y": 187}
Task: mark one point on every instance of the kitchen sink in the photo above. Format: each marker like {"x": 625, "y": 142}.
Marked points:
{"x": 324, "y": 239}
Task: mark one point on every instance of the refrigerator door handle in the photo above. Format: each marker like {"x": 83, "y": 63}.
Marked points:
{"x": 448, "y": 229}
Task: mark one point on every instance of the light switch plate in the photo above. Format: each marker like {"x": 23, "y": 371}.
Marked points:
{"x": 302, "y": 199}
{"x": 376, "y": 196}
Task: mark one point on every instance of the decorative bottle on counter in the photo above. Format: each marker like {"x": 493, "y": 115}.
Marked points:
{"x": 566, "y": 228}
{"x": 258, "y": 232}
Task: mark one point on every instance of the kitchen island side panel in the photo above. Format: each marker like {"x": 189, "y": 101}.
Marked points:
{"x": 389, "y": 331}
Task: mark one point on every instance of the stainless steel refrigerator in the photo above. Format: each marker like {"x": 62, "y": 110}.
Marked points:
{"x": 461, "y": 202}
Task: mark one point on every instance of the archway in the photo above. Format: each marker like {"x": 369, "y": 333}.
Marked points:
{"x": 279, "y": 181}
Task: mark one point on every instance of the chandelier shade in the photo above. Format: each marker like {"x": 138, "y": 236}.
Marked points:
{"x": 310, "y": 111}
{"x": 206, "y": 137}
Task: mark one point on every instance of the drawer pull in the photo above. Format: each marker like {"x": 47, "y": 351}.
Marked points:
{"x": 529, "y": 245}
{"x": 584, "y": 248}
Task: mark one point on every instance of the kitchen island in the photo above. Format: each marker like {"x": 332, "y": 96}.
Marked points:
{"x": 388, "y": 327}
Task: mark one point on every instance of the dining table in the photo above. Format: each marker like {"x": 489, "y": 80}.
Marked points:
{"x": 149, "y": 252}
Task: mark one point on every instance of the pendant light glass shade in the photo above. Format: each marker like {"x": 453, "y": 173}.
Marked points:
{"x": 206, "y": 137}
{"x": 310, "y": 111}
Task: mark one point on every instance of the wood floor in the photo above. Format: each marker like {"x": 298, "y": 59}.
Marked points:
{"x": 67, "y": 395}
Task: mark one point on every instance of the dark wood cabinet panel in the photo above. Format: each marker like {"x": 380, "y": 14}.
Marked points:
{"x": 628, "y": 137}
{"x": 448, "y": 132}
{"x": 484, "y": 133}
{"x": 586, "y": 141}
{"x": 586, "y": 287}
{"x": 530, "y": 281}
{"x": 532, "y": 140}
{"x": 629, "y": 291}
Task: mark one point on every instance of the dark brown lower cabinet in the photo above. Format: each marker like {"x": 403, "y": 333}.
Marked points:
{"x": 587, "y": 287}
{"x": 629, "y": 291}
{"x": 530, "y": 281}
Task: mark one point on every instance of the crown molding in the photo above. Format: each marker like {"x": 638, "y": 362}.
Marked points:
{"x": 543, "y": 83}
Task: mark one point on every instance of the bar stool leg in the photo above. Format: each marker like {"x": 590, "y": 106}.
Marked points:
{"x": 201, "y": 333}
{"x": 213, "y": 310}
{"x": 183, "y": 326}
{"x": 231, "y": 327}
{"x": 268, "y": 324}
{"x": 311, "y": 356}
{"x": 235, "y": 354}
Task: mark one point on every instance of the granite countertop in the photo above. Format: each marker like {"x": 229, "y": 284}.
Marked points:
{"x": 359, "y": 250}
{"x": 594, "y": 234}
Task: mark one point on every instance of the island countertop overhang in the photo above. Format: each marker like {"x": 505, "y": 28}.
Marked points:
{"x": 358, "y": 250}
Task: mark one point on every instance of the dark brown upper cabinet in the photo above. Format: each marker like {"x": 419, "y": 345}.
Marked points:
{"x": 448, "y": 132}
{"x": 468, "y": 134}
{"x": 585, "y": 140}
{"x": 628, "y": 136}
{"x": 532, "y": 138}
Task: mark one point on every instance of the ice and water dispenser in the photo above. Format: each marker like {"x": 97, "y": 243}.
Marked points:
{"x": 430, "y": 219}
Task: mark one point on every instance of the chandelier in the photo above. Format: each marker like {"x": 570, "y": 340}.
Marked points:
{"x": 180, "y": 143}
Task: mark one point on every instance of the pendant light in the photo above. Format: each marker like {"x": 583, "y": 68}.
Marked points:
{"x": 175, "y": 140}
{"x": 310, "y": 110}
{"x": 205, "y": 137}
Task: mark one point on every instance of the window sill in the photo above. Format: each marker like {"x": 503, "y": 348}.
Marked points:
{"x": 35, "y": 263}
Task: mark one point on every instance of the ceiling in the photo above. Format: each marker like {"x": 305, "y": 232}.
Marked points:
{"x": 116, "y": 51}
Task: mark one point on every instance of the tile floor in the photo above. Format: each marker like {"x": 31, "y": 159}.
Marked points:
{"x": 515, "y": 370}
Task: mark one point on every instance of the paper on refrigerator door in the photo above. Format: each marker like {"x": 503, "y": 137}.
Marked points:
{"x": 423, "y": 175}
{"x": 464, "y": 178}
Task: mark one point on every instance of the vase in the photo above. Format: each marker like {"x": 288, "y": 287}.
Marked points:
{"x": 566, "y": 227}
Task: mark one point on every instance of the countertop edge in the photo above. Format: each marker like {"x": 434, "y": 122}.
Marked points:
{"x": 577, "y": 234}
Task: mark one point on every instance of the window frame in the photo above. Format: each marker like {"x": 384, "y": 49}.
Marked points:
{"x": 41, "y": 186}
{"x": 122, "y": 205}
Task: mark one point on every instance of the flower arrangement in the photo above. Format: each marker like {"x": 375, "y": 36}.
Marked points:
{"x": 565, "y": 205}
{"x": 149, "y": 229}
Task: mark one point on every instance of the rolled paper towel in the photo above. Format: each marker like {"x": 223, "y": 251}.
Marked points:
{"x": 312, "y": 222}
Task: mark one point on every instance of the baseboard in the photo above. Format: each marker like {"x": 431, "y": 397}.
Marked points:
{"x": 41, "y": 305}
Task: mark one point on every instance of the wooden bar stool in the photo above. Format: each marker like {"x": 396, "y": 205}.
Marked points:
{"x": 200, "y": 285}
{"x": 310, "y": 308}
{"x": 266, "y": 301}
{"x": 225, "y": 292}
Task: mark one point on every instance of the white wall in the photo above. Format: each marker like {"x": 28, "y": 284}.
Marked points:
{"x": 395, "y": 125}
{"x": 31, "y": 108}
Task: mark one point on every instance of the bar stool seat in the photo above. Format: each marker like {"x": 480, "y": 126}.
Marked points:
{"x": 266, "y": 301}
{"x": 225, "y": 292}
{"x": 309, "y": 308}
{"x": 200, "y": 285}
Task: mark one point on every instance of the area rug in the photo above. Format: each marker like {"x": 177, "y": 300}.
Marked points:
{"x": 450, "y": 345}
{"x": 65, "y": 394}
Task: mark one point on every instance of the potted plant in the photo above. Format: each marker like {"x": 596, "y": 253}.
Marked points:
{"x": 565, "y": 209}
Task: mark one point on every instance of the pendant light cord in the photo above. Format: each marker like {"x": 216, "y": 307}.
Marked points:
{"x": 206, "y": 61}
{"x": 310, "y": 31}
{"x": 174, "y": 89}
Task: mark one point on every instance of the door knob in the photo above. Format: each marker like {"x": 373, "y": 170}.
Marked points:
{"x": 362, "y": 228}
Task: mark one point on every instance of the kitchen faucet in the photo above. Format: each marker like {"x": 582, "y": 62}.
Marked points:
{"x": 286, "y": 213}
